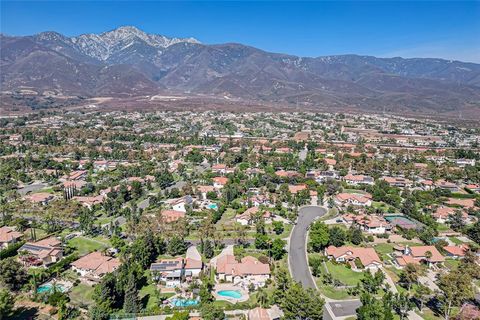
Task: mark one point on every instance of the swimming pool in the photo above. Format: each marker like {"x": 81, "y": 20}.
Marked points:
{"x": 184, "y": 302}
{"x": 213, "y": 206}
{"x": 230, "y": 294}
{"x": 49, "y": 287}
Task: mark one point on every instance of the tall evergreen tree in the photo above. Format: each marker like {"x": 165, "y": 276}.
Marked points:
{"x": 131, "y": 302}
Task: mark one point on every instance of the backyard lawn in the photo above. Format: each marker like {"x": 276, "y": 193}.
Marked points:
{"x": 85, "y": 245}
{"x": 344, "y": 274}
{"x": 81, "y": 295}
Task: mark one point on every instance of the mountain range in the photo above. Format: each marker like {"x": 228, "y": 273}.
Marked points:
{"x": 128, "y": 62}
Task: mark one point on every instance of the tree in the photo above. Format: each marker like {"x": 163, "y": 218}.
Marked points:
{"x": 261, "y": 241}
{"x": 372, "y": 283}
{"x": 456, "y": 221}
{"x": 282, "y": 282}
{"x": 315, "y": 263}
{"x": 262, "y": 297}
{"x": 337, "y": 236}
{"x": 131, "y": 302}
{"x": 474, "y": 232}
{"x": 409, "y": 275}
{"x": 356, "y": 235}
{"x": 421, "y": 294}
{"x": 319, "y": 236}
{"x": 206, "y": 292}
{"x": 299, "y": 303}
{"x": 278, "y": 249}
{"x": 210, "y": 312}
{"x": 208, "y": 249}
{"x": 180, "y": 315}
{"x": 278, "y": 227}
{"x": 468, "y": 265}
{"x": 456, "y": 288}
{"x": 402, "y": 305}
{"x": 371, "y": 308}
{"x": 6, "y": 303}
{"x": 12, "y": 274}
{"x": 176, "y": 246}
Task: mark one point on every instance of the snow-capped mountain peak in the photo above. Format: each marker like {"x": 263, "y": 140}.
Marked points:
{"x": 103, "y": 46}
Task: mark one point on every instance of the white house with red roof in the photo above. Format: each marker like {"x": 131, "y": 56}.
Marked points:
{"x": 95, "y": 265}
{"x": 249, "y": 270}
{"x": 9, "y": 236}
{"x": 354, "y": 199}
{"x": 367, "y": 256}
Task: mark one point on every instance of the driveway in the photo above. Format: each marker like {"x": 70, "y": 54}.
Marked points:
{"x": 192, "y": 253}
{"x": 297, "y": 254}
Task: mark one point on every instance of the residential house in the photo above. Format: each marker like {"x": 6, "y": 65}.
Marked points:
{"x": 172, "y": 215}
{"x": 398, "y": 182}
{"x": 358, "y": 179}
{"x": 373, "y": 224}
{"x": 95, "y": 265}
{"x": 170, "y": 271}
{"x": 246, "y": 217}
{"x": 465, "y": 162}
{"x": 40, "y": 198}
{"x": 418, "y": 254}
{"x": 442, "y": 214}
{"x": 219, "y": 182}
{"x": 193, "y": 267}
{"x": 346, "y": 199}
{"x": 9, "y": 236}
{"x": 43, "y": 252}
{"x": 367, "y": 256}
{"x": 456, "y": 252}
{"x": 248, "y": 271}
{"x": 203, "y": 190}
{"x": 181, "y": 204}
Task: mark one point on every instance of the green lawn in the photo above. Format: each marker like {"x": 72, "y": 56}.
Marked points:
{"x": 451, "y": 263}
{"x": 285, "y": 233}
{"x": 227, "y": 217}
{"x": 85, "y": 245}
{"x": 383, "y": 249}
{"x": 148, "y": 292}
{"x": 344, "y": 274}
{"x": 331, "y": 292}
{"x": 456, "y": 240}
{"x": 354, "y": 191}
{"x": 81, "y": 295}
{"x": 442, "y": 227}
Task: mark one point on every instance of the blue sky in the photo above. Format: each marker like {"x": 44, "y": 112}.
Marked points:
{"x": 442, "y": 29}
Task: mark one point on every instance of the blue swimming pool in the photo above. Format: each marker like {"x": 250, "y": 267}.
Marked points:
{"x": 49, "y": 287}
{"x": 230, "y": 294}
{"x": 184, "y": 302}
{"x": 213, "y": 206}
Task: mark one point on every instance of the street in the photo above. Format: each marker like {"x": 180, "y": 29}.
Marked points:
{"x": 297, "y": 257}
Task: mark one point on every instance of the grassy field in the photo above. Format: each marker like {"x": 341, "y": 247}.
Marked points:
{"x": 81, "y": 295}
{"x": 344, "y": 274}
{"x": 451, "y": 263}
{"x": 148, "y": 293}
{"x": 85, "y": 245}
{"x": 331, "y": 292}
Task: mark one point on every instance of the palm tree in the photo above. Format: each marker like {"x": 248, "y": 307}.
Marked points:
{"x": 262, "y": 297}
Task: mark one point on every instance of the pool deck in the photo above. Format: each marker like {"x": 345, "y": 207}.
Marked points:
{"x": 229, "y": 286}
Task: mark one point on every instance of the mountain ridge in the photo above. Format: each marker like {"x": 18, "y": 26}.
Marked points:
{"x": 136, "y": 63}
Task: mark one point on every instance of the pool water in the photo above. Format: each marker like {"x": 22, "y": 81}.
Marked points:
{"x": 184, "y": 302}
{"x": 213, "y": 206}
{"x": 49, "y": 287}
{"x": 230, "y": 294}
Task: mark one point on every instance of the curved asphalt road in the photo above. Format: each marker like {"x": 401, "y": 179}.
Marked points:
{"x": 298, "y": 264}
{"x": 297, "y": 257}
